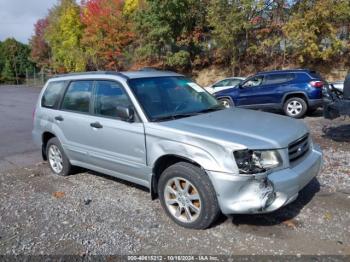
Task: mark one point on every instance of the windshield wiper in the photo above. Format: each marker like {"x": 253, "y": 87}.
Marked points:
{"x": 210, "y": 109}
{"x": 172, "y": 117}
{"x": 176, "y": 116}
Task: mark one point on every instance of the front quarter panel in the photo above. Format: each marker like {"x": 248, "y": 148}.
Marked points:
{"x": 210, "y": 155}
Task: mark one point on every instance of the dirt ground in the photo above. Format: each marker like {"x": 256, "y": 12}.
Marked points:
{"x": 89, "y": 213}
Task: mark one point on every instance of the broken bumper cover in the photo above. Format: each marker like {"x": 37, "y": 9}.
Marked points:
{"x": 252, "y": 194}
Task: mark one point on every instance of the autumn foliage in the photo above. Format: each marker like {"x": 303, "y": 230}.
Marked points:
{"x": 192, "y": 34}
{"x": 107, "y": 33}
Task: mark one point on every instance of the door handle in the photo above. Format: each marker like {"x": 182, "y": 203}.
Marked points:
{"x": 59, "y": 118}
{"x": 96, "y": 125}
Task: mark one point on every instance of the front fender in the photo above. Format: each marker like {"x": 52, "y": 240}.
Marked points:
{"x": 207, "y": 154}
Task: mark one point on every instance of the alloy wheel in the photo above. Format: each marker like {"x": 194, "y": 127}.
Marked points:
{"x": 182, "y": 200}
{"x": 55, "y": 159}
{"x": 294, "y": 107}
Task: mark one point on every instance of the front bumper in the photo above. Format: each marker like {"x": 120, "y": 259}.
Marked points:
{"x": 251, "y": 195}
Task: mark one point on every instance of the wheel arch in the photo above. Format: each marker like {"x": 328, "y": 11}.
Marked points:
{"x": 46, "y": 136}
{"x": 302, "y": 95}
{"x": 162, "y": 163}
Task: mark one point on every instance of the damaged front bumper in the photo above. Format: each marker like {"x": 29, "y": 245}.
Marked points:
{"x": 265, "y": 193}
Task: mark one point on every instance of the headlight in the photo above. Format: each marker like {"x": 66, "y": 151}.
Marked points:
{"x": 257, "y": 161}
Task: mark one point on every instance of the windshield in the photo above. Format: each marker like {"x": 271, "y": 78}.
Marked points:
{"x": 171, "y": 97}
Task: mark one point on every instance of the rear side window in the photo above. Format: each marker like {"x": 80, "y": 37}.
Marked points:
{"x": 278, "y": 78}
{"x": 78, "y": 96}
{"x": 108, "y": 96}
{"x": 234, "y": 82}
{"x": 52, "y": 94}
{"x": 315, "y": 75}
{"x": 224, "y": 82}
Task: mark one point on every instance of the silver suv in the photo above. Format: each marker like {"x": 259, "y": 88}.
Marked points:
{"x": 163, "y": 131}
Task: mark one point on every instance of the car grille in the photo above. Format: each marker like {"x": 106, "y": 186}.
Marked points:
{"x": 298, "y": 148}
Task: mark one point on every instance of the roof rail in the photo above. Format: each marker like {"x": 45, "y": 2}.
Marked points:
{"x": 94, "y": 73}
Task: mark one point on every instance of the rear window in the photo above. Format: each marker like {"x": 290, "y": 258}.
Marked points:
{"x": 278, "y": 78}
{"x": 52, "y": 94}
{"x": 77, "y": 97}
{"x": 315, "y": 75}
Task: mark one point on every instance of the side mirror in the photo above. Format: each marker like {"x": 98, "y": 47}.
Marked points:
{"x": 240, "y": 86}
{"x": 125, "y": 113}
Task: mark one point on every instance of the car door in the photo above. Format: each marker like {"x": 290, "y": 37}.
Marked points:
{"x": 73, "y": 119}
{"x": 274, "y": 87}
{"x": 116, "y": 145}
{"x": 250, "y": 91}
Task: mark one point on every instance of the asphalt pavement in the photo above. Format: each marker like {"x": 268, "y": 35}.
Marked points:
{"x": 16, "y": 147}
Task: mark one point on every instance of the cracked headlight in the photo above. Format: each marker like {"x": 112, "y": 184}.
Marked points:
{"x": 257, "y": 161}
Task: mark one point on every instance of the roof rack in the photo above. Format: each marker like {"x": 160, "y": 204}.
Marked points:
{"x": 93, "y": 73}
{"x": 286, "y": 70}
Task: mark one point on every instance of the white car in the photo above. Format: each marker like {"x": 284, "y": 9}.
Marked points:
{"x": 339, "y": 85}
{"x": 224, "y": 84}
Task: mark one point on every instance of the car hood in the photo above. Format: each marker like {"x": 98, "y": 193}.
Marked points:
{"x": 241, "y": 127}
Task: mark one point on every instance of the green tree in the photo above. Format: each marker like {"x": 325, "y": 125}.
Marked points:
{"x": 232, "y": 22}
{"x": 63, "y": 35}
{"x": 168, "y": 27}
{"x": 7, "y": 73}
{"x": 312, "y": 30}
{"x": 15, "y": 57}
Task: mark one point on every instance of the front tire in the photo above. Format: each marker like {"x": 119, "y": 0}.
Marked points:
{"x": 58, "y": 161}
{"x": 187, "y": 196}
{"x": 295, "y": 107}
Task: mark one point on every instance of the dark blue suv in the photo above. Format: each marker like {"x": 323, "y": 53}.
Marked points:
{"x": 294, "y": 91}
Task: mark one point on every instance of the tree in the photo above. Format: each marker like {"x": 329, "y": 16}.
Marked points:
{"x": 232, "y": 23}
{"x": 15, "y": 58}
{"x": 63, "y": 35}
{"x": 7, "y": 73}
{"x": 40, "y": 50}
{"x": 171, "y": 30}
{"x": 107, "y": 33}
{"x": 312, "y": 30}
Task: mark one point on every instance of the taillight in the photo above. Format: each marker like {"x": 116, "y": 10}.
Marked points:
{"x": 317, "y": 84}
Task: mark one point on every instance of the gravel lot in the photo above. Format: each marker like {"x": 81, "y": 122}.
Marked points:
{"x": 89, "y": 213}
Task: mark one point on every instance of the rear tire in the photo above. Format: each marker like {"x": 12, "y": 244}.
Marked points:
{"x": 226, "y": 102}
{"x": 58, "y": 161}
{"x": 295, "y": 107}
{"x": 188, "y": 196}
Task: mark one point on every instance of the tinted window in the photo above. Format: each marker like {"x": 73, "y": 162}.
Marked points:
{"x": 253, "y": 81}
{"x": 108, "y": 96}
{"x": 278, "y": 78}
{"x": 77, "y": 97}
{"x": 52, "y": 94}
{"x": 316, "y": 75}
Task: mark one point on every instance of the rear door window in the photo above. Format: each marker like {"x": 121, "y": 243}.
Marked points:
{"x": 278, "y": 79}
{"x": 224, "y": 82}
{"x": 108, "y": 96}
{"x": 234, "y": 82}
{"x": 52, "y": 94}
{"x": 78, "y": 96}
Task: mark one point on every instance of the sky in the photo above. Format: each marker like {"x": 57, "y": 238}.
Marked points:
{"x": 17, "y": 17}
